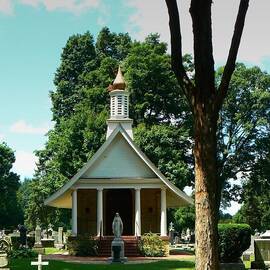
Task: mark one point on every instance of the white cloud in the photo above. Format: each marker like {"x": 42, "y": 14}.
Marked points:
{"x": 25, "y": 164}
{"x": 2, "y": 136}
{"x": 25, "y": 128}
{"x": 151, "y": 16}
{"x": 6, "y": 7}
{"x": 74, "y": 6}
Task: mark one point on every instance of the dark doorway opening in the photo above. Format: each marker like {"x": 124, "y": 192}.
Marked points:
{"x": 119, "y": 201}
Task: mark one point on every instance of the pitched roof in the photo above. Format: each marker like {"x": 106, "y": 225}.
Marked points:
{"x": 117, "y": 130}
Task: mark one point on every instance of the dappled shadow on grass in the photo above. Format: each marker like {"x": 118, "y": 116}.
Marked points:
{"x": 24, "y": 264}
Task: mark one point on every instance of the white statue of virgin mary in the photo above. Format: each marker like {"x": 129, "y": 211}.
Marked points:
{"x": 117, "y": 226}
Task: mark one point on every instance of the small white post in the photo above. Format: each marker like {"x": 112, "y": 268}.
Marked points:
{"x": 39, "y": 263}
{"x": 163, "y": 213}
{"x": 100, "y": 212}
{"x": 74, "y": 212}
{"x": 137, "y": 212}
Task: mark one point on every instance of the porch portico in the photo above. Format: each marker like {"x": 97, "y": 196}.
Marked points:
{"x": 142, "y": 209}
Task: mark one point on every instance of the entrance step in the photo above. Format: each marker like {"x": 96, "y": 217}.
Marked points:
{"x": 131, "y": 246}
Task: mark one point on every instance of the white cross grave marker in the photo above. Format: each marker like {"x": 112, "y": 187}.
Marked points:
{"x": 39, "y": 263}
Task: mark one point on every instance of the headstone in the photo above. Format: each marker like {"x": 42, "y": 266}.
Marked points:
{"x": 38, "y": 237}
{"x": 60, "y": 243}
{"x": 262, "y": 254}
{"x": 39, "y": 263}
{"x": 171, "y": 233}
{"x": 188, "y": 235}
{"x": 176, "y": 240}
{"x": 117, "y": 248}
{"x": 183, "y": 235}
{"x": 50, "y": 231}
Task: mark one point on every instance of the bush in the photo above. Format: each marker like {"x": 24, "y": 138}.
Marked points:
{"x": 82, "y": 245}
{"x": 151, "y": 245}
{"x": 234, "y": 239}
{"x": 15, "y": 241}
{"x": 22, "y": 253}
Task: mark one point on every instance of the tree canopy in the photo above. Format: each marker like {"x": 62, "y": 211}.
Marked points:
{"x": 80, "y": 105}
{"x": 9, "y": 184}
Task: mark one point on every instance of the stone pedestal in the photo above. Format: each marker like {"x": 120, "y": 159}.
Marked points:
{"x": 118, "y": 246}
{"x": 3, "y": 261}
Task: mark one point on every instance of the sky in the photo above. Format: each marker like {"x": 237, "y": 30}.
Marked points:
{"x": 33, "y": 33}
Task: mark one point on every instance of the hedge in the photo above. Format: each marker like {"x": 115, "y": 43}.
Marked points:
{"x": 233, "y": 240}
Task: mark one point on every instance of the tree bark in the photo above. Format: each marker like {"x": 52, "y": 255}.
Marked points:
{"x": 206, "y": 187}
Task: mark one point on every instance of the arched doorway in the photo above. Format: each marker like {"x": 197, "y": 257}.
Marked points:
{"x": 119, "y": 201}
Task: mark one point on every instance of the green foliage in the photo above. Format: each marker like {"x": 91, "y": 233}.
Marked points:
{"x": 82, "y": 245}
{"x": 11, "y": 213}
{"x": 184, "y": 218}
{"x": 234, "y": 239}
{"x": 22, "y": 253}
{"x": 244, "y": 118}
{"x": 256, "y": 190}
{"x": 15, "y": 242}
{"x": 167, "y": 146}
{"x": 151, "y": 245}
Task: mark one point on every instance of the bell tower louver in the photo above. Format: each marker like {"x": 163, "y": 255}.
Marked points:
{"x": 119, "y": 106}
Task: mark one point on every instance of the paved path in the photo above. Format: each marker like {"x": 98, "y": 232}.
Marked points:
{"x": 103, "y": 260}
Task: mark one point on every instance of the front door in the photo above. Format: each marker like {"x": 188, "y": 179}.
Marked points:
{"x": 119, "y": 201}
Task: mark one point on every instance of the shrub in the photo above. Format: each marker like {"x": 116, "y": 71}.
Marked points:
{"x": 82, "y": 245}
{"x": 15, "y": 241}
{"x": 151, "y": 245}
{"x": 22, "y": 253}
{"x": 234, "y": 239}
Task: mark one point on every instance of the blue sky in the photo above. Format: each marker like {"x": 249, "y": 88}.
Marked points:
{"x": 33, "y": 33}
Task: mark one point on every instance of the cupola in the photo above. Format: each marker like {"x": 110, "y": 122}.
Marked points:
{"x": 119, "y": 106}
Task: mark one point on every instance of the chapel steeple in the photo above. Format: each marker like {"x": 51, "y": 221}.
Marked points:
{"x": 119, "y": 105}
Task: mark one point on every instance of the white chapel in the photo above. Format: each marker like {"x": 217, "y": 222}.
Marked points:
{"x": 119, "y": 178}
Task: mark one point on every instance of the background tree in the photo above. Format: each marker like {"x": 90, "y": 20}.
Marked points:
{"x": 243, "y": 119}
{"x": 80, "y": 109}
{"x": 205, "y": 99}
{"x": 256, "y": 190}
{"x": 11, "y": 214}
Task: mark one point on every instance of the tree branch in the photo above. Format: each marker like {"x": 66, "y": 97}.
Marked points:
{"x": 176, "y": 49}
{"x": 235, "y": 43}
{"x": 200, "y": 11}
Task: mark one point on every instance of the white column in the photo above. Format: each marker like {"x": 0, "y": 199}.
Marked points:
{"x": 100, "y": 212}
{"x": 137, "y": 212}
{"x": 163, "y": 213}
{"x": 74, "y": 212}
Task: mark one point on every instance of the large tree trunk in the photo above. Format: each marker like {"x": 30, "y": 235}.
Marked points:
{"x": 206, "y": 101}
{"x": 206, "y": 187}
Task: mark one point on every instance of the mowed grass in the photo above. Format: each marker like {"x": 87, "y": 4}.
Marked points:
{"x": 24, "y": 264}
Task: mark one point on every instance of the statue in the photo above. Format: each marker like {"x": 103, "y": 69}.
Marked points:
{"x": 117, "y": 226}
{"x": 118, "y": 246}
{"x": 23, "y": 237}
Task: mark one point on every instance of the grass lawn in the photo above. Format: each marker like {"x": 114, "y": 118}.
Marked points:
{"x": 51, "y": 250}
{"x": 24, "y": 264}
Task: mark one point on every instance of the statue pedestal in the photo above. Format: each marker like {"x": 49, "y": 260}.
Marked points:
{"x": 3, "y": 261}
{"x": 118, "y": 251}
